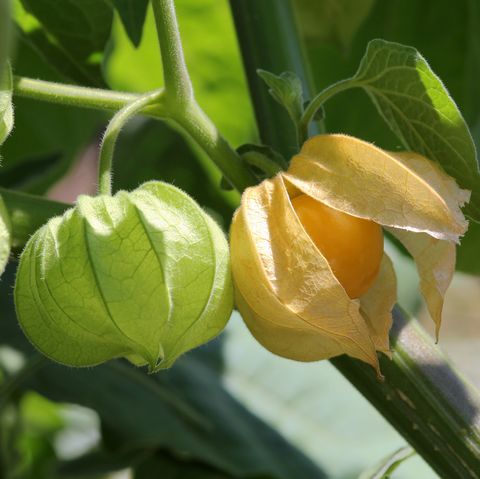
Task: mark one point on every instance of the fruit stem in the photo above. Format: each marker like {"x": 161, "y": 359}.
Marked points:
{"x": 110, "y": 137}
{"x": 317, "y": 102}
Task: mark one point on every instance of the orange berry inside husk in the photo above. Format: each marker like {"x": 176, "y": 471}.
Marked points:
{"x": 352, "y": 246}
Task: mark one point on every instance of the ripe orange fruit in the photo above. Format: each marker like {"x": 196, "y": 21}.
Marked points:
{"x": 352, "y": 246}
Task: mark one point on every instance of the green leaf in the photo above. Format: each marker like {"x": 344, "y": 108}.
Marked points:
{"x": 388, "y": 465}
{"x": 287, "y": 90}
{"x": 419, "y": 110}
{"x": 6, "y": 106}
{"x": 132, "y": 14}
{"x": 54, "y": 56}
{"x": 78, "y": 31}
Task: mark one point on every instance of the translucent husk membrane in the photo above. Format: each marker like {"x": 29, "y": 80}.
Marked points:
{"x": 143, "y": 275}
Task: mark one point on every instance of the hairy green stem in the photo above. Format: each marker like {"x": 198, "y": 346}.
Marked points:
{"x": 199, "y": 127}
{"x": 71, "y": 95}
{"x": 181, "y": 105}
{"x": 191, "y": 119}
{"x": 110, "y": 137}
{"x": 178, "y": 86}
{"x": 317, "y": 102}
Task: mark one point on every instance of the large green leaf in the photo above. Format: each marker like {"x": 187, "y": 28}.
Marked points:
{"x": 419, "y": 110}
{"x": 76, "y": 34}
{"x": 99, "y": 462}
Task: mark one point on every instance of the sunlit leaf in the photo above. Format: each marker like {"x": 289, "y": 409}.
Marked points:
{"x": 287, "y": 395}
{"x": 419, "y": 110}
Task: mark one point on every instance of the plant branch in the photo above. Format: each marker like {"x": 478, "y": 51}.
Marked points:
{"x": 199, "y": 127}
{"x": 178, "y": 86}
{"x": 71, "y": 95}
{"x": 191, "y": 119}
{"x": 110, "y": 137}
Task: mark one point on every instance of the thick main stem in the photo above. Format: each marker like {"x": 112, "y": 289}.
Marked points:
{"x": 422, "y": 396}
{"x": 199, "y": 127}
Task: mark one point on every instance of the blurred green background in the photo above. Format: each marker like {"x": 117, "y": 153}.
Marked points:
{"x": 163, "y": 426}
